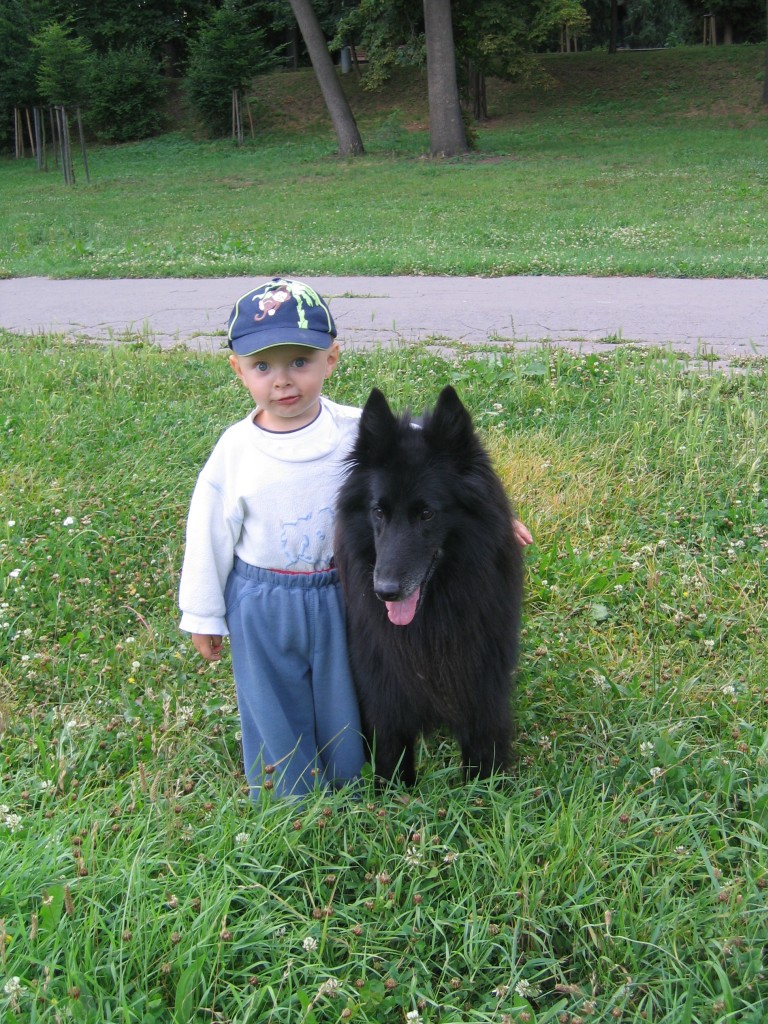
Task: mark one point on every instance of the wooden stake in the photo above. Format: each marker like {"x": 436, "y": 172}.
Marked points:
{"x": 81, "y": 134}
{"x": 18, "y": 134}
{"x": 29, "y": 130}
{"x": 54, "y": 136}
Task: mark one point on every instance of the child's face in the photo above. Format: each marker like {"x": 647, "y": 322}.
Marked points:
{"x": 285, "y": 382}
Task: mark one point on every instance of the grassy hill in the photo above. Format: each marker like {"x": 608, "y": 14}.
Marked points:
{"x": 698, "y": 81}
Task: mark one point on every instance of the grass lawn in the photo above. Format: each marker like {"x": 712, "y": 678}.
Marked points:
{"x": 619, "y": 874}
{"x": 637, "y": 163}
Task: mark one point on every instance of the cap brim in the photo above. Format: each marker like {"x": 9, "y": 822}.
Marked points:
{"x": 248, "y": 344}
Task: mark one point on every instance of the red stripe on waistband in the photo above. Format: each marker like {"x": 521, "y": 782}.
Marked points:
{"x": 311, "y": 572}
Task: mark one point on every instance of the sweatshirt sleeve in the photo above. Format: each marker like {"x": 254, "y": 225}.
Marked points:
{"x": 208, "y": 560}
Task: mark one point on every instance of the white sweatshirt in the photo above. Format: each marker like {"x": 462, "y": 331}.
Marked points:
{"x": 267, "y": 498}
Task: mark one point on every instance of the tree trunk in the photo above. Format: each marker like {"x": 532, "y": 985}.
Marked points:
{"x": 345, "y": 126}
{"x": 446, "y": 127}
{"x": 476, "y": 94}
{"x": 613, "y": 43}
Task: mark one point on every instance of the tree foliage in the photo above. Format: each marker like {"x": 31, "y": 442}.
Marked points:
{"x": 126, "y": 95}
{"x": 63, "y": 65}
{"x": 391, "y": 34}
{"x": 225, "y": 55}
{"x": 19, "y": 20}
{"x": 164, "y": 27}
{"x": 737, "y": 21}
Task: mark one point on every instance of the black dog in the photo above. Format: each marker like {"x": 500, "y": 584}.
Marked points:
{"x": 432, "y": 574}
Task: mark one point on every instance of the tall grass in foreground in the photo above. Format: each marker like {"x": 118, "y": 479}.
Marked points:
{"x": 619, "y": 873}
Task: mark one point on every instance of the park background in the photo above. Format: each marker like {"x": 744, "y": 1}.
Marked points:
{"x": 620, "y": 871}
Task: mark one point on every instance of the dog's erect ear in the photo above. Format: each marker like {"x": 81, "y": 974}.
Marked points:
{"x": 449, "y": 426}
{"x": 376, "y": 405}
{"x": 377, "y": 431}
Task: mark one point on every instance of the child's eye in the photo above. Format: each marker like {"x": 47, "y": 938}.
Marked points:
{"x": 262, "y": 367}
{"x": 298, "y": 363}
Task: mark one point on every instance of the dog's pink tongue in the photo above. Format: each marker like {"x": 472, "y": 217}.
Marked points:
{"x": 401, "y": 612}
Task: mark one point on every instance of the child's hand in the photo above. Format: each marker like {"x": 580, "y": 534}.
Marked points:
{"x": 523, "y": 534}
{"x": 208, "y": 647}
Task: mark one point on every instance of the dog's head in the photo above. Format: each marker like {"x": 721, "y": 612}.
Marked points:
{"x": 418, "y": 480}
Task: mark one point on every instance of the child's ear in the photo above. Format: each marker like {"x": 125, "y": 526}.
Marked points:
{"x": 332, "y": 357}
{"x": 234, "y": 362}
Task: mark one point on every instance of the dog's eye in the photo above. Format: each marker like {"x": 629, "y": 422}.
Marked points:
{"x": 427, "y": 513}
{"x": 377, "y": 512}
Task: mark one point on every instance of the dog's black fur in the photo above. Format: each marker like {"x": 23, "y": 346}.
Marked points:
{"x": 432, "y": 574}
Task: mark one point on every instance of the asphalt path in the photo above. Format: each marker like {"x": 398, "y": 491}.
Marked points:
{"x": 719, "y": 318}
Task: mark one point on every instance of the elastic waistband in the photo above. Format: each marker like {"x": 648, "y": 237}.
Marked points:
{"x": 281, "y": 578}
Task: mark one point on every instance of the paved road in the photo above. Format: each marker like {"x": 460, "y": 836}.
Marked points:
{"x": 727, "y": 318}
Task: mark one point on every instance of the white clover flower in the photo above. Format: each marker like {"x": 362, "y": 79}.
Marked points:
{"x": 69, "y": 521}
{"x": 310, "y": 944}
{"x": 13, "y": 821}
{"x": 523, "y": 988}
{"x": 242, "y": 838}
{"x": 501, "y": 991}
{"x": 646, "y": 748}
{"x": 329, "y": 987}
{"x": 11, "y": 522}
{"x": 13, "y": 986}
{"x": 413, "y": 1015}
{"x": 655, "y": 772}
{"x": 15, "y": 573}
{"x": 185, "y": 714}
{"x": 729, "y": 690}
{"x": 413, "y": 856}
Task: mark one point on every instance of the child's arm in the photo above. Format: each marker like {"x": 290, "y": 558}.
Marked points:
{"x": 523, "y": 534}
{"x": 209, "y": 647}
{"x": 208, "y": 557}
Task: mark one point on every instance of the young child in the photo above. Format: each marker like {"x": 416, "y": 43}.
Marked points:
{"x": 258, "y": 557}
{"x": 258, "y": 563}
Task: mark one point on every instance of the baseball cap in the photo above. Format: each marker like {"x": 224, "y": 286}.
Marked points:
{"x": 282, "y": 311}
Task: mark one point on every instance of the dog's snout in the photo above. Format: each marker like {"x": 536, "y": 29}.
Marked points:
{"x": 387, "y": 590}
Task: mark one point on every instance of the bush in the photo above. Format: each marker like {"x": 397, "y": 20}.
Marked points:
{"x": 127, "y": 94}
{"x": 226, "y": 55}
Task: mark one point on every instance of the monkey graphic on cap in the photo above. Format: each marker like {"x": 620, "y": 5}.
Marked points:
{"x": 271, "y": 302}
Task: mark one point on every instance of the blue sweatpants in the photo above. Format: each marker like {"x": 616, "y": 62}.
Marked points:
{"x": 298, "y": 710}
